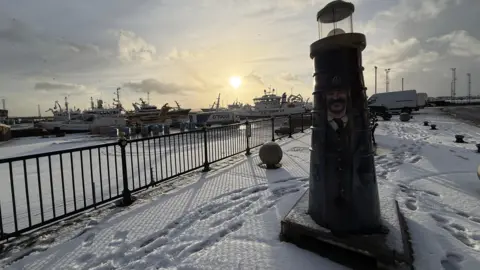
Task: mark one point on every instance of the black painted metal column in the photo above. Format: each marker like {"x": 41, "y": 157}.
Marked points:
{"x": 343, "y": 188}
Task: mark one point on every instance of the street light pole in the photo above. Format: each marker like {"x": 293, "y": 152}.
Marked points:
{"x": 454, "y": 79}
{"x": 402, "y": 84}
{"x": 375, "y": 79}
{"x": 387, "y": 82}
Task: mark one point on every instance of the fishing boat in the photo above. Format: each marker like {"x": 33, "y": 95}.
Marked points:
{"x": 93, "y": 118}
{"x": 145, "y": 113}
{"x": 178, "y": 115}
{"x": 272, "y": 105}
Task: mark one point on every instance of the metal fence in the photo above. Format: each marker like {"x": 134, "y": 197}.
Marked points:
{"x": 44, "y": 188}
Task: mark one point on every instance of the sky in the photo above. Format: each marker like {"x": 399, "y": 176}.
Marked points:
{"x": 186, "y": 50}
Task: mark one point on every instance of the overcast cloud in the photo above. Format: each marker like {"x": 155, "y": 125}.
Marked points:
{"x": 186, "y": 50}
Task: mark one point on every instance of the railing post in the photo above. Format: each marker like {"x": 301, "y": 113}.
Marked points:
{"x": 301, "y": 115}
{"x": 248, "y": 132}
{"x": 126, "y": 193}
{"x": 273, "y": 128}
{"x": 290, "y": 126}
{"x": 206, "y": 165}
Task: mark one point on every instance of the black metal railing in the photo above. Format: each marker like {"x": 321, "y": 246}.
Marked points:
{"x": 44, "y": 188}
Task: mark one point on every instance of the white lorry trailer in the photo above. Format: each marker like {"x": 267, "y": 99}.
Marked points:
{"x": 421, "y": 100}
{"x": 402, "y": 101}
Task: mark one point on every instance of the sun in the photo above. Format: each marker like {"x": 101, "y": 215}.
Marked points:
{"x": 235, "y": 81}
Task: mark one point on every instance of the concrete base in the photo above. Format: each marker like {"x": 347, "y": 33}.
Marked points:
{"x": 391, "y": 250}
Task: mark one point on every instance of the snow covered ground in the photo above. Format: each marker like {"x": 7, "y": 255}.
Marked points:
{"x": 229, "y": 218}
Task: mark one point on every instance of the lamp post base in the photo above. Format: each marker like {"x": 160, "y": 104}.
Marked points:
{"x": 390, "y": 249}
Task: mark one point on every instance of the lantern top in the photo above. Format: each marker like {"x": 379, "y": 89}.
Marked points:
{"x": 335, "y": 11}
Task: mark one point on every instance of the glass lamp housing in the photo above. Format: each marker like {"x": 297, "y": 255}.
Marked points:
{"x": 335, "y": 19}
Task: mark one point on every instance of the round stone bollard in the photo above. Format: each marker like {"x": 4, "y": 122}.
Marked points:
{"x": 405, "y": 117}
{"x": 433, "y": 127}
{"x": 459, "y": 139}
{"x": 425, "y": 123}
{"x": 271, "y": 154}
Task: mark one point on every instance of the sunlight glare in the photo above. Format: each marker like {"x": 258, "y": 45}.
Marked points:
{"x": 235, "y": 81}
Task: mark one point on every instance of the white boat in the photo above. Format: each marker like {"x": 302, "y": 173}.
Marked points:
{"x": 91, "y": 119}
{"x": 74, "y": 126}
{"x": 272, "y": 105}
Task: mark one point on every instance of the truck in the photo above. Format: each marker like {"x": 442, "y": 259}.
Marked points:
{"x": 402, "y": 101}
{"x": 421, "y": 100}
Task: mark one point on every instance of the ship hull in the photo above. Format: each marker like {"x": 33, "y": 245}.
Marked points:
{"x": 281, "y": 112}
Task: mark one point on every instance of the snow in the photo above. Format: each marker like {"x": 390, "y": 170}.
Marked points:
{"x": 229, "y": 218}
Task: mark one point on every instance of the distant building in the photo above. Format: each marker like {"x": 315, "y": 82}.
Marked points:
{"x": 5, "y": 132}
{"x": 3, "y": 113}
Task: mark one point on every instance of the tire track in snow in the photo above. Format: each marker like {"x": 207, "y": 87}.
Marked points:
{"x": 214, "y": 220}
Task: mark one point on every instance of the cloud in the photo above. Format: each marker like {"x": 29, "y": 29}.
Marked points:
{"x": 57, "y": 86}
{"x": 289, "y": 77}
{"x": 176, "y": 54}
{"x": 459, "y": 43}
{"x": 61, "y": 88}
{"x": 268, "y": 59}
{"x": 155, "y": 86}
{"x": 132, "y": 48}
{"x": 253, "y": 78}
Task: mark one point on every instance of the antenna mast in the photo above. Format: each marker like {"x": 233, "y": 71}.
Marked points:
{"x": 117, "y": 93}
{"x": 469, "y": 86}
{"x": 3, "y": 104}
{"x": 454, "y": 80}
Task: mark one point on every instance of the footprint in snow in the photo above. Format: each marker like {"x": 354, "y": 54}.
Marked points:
{"x": 88, "y": 241}
{"x": 452, "y": 261}
{"x": 118, "y": 238}
{"x": 475, "y": 219}
{"x": 411, "y": 204}
{"x": 458, "y": 231}
{"x": 414, "y": 159}
{"x": 227, "y": 217}
{"x": 85, "y": 258}
{"x": 439, "y": 218}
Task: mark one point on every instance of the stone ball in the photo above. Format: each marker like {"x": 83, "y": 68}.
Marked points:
{"x": 270, "y": 154}
{"x": 405, "y": 117}
{"x": 478, "y": 172}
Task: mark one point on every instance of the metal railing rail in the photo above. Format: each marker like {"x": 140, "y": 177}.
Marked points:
{"x": 47, "y": 187}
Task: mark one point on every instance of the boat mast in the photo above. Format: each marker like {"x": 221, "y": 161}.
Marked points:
{"x": 66, "y": 108}
{"x": 218, "y": 102}
{"x": 117, "y": 93}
